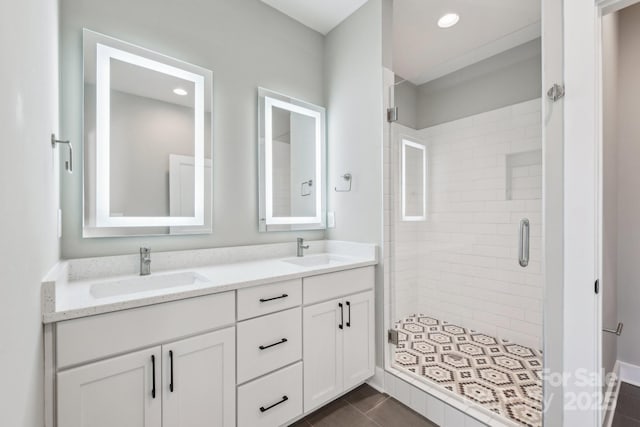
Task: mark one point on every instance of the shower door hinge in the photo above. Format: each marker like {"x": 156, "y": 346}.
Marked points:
{"x": 393, "y": 337}
{"x": 556, "y": 92}
{"x": 392, "y": 114}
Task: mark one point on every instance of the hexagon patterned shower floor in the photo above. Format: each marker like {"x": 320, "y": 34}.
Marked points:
{"x": 498, "y": 375}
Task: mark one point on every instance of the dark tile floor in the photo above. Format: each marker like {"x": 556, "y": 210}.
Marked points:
{"x": 628, "y": 407}
{"x": 364, "y": 407}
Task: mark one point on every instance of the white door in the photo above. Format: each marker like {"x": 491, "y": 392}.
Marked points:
{"x": 122, "y": 391}
{"x": 322, "y": 352}
{"x": 359, "y": 339}
{"x": 198, "y": 382}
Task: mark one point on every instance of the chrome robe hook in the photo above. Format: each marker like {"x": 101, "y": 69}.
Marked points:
{"x": 68, "y": 165}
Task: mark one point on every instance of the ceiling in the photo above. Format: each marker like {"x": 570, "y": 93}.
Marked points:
{"x": 320, "y": 15}
{"x": 423, "y": 52}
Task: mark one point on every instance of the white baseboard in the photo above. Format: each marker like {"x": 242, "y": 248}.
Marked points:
{"x": 377, "y": 380}
{"x": 629, "y": 373}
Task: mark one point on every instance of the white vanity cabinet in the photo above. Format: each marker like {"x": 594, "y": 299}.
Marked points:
{"x": 177, "y": 382}
{"x": 113, "y": 392}
{"x": 339, "y": 341}
{"x": 258, "y": 356}
{"x": 198, "y": 382}
{"x": 185, "y": 383}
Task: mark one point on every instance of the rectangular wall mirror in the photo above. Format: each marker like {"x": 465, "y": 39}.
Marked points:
{"x": 414, "y": 181}
{"x": 147, "y": 141}
{"x": 292, "y": 163}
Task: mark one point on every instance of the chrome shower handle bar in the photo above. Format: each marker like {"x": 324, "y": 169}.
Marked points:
{"x": 523, "y": 247}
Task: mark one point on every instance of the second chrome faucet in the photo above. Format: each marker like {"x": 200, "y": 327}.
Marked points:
{"x": 301, "y": 247}
{"x": 145, "y": 261}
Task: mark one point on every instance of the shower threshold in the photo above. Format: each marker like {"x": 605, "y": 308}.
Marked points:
{"x": 496, "y": 376}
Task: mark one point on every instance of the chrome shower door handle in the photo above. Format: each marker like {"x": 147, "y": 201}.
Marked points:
{"x": 523, "y": 247}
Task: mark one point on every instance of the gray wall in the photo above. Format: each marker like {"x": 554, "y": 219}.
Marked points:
{"x": 610, "y": 189}
{"x": 505, "y": 79}
{"x": 29, "y": 194}
{"x": 628, "y": 178}
{"x": 246, "y": 44}
{"x": 353, "y": 71}
{"x": 406, "y": 99}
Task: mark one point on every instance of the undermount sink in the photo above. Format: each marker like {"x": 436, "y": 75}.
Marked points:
{"x": 145, "y": 283}
{"x": 315, "y": 260}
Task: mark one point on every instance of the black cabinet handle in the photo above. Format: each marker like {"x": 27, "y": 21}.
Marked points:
{"x": 263, "y": 409}
{"x": 264, "y": 347}
{"x": 341, "y": 325}
{"x": 271, "y": 299}
{"x": 171, "y": 371}
{"x": 349, "y": 321}
{"x": 153, "y": 376}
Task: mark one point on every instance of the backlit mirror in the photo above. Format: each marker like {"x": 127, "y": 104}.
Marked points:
{"x": 414, "y": 181}
{"x": 147, "y": 141}
{"x": 292, "y": 163}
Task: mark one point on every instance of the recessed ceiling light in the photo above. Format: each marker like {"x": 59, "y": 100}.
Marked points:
{"x": 180, "y": 91}
{"x": 448, "y": 20}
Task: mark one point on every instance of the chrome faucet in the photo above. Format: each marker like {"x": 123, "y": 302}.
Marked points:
{"x": 145, "y": 261}
{"x": 301, "y": 246}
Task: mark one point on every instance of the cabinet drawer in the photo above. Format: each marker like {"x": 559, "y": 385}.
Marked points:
{"x": 97, "y": 337}
{"x": 334, "y": 285}
{"x": 268, "y": 343}
{"x": 265, "y": 299}
{"x": 272, "y": 400}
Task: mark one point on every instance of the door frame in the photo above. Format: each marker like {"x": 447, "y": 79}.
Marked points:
{"x": 583, "y": 69}
{"x": 582, "y": 305}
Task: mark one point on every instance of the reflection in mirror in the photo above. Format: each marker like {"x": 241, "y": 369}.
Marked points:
{"x": 147, "y": 141}
{"x": 414, "y": 181}
{"x": 292, "y": 150}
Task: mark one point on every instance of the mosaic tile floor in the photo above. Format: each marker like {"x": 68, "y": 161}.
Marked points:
{"x": 498, "y": 375}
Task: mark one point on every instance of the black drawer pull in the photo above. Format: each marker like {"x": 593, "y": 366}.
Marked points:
{"x": 153, "y": 375}
{"x": 341, "y": 325}
{"x": 349, "y": 321}
{"x": 271, "y": 299}
{"x": 171, "y": 363}
{"x": 263, "y": 409}
{"x": 264, "y": 347}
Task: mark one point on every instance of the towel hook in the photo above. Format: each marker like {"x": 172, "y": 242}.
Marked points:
{"x": 308, "y": 192}
{"x": 68, "y": 165}
{"x": 347, "y": 177}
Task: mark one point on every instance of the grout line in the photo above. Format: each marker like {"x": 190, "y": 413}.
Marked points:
{"x": 365, "y": 414}
{"x": 378, "y": 404}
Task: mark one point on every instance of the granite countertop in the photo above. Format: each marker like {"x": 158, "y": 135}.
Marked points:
{"x": 67, "y": 289}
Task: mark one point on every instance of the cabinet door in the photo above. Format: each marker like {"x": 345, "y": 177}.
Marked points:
{"x": 322, "y": 350}
{"x": 359, "y": 338}
{"x": 199, "y": 381}
{"x": 122, "y": 391}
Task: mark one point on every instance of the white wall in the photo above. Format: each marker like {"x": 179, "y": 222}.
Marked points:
{"x": 354, "y": 90}
{"x": 610, "y": 189}
{"x": 29, "y": 195}
{"x": 353, "y": 71}
{"x": 628, "y": 179}
{"x": 461, "y": 264}
{"x": 246, "y": 44}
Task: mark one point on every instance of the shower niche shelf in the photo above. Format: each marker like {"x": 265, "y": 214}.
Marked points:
{"x": 524, "y": 175}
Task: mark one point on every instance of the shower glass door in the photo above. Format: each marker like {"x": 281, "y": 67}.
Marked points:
{"x": 465, "y": 232}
